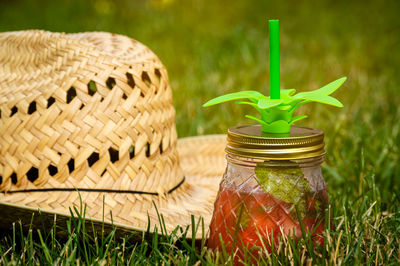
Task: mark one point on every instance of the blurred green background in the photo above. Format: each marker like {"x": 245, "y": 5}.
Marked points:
{"x": 215, "y": 47}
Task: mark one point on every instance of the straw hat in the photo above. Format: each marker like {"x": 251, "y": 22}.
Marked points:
{"x": 93, "y": 113}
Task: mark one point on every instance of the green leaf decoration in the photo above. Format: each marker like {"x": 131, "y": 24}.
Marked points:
{"x": 289, "y": 100}
{"x": 265, "y": 103}
{"x": 249, "y": 103}
{"x": 286, "y": 95}
{"x": 331, "y": 87}
{"x": 277, "y": 126}
{"x": 255, "y": 95}
{"x": 285, "y": 107}
{"x": 289, "y": 92}
{"x": 298, "y": 118}
{"x": 277, "y": 114}
{"x": 256, "y": 119}
{"x": 321, "y": 95}
{"x": 323, "y": 99}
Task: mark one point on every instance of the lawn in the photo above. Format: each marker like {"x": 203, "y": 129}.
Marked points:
{"x": 215, "y": 47}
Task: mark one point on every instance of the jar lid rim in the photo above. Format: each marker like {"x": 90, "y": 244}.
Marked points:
{"x": 300, "y": 143}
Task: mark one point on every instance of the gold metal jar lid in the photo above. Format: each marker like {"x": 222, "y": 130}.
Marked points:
{"x": 300, "y": 143}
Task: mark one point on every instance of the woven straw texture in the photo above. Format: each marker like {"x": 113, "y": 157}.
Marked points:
{"x": 94, "y": 111}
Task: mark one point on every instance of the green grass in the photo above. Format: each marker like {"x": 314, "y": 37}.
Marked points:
{"x": 215, "y": 47}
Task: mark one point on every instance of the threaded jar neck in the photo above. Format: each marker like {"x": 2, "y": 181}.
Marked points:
{"x": 293, "y": 163}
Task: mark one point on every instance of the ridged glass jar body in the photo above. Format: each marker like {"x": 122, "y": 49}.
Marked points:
{"x": 262, "y": 200}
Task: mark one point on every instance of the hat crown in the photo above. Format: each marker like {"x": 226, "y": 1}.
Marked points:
{"x": 85, "y": 111}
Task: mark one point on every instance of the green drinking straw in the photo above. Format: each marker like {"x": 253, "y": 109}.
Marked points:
{"x": 274, "y": 59}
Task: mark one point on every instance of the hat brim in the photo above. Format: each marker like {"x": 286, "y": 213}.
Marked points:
{"x": 203, "y": 162}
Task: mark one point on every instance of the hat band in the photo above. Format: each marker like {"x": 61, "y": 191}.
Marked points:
{"x": 95, "y": 190}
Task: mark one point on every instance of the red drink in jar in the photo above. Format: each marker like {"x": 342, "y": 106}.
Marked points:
{"x": 248, "y": 218}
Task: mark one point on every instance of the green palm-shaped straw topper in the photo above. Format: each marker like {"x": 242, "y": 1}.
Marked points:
{"x": 277, "y": 109}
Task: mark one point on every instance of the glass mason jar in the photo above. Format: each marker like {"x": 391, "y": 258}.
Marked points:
{"x": 272, "y": 185}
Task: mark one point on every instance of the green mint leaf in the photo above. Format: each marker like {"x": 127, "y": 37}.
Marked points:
{"x": 288, "y": 185}
{"x": 243, "y": 216}
{"x": 318, "y": 205}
